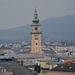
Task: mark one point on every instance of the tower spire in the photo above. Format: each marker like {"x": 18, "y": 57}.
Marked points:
{"x": 35, "y": 4}
{"x": 35, "y": 19}
{"x": 35, "y": 13}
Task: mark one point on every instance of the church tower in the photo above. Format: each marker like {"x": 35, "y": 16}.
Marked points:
{"x": 36, "y": 35}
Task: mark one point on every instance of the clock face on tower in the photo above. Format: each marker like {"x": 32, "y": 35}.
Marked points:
{"x": 36, "y": 28}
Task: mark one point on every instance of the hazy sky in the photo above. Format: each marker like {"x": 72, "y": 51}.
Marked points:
{"x": 14, "y": 13}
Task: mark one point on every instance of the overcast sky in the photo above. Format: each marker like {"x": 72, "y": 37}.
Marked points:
{"x": 14, "y": 13}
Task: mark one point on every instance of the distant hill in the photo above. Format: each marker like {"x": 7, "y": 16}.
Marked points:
{"x": 62, "y": 28}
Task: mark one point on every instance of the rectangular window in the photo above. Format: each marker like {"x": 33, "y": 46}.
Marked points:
{"x": 36, "y": 37}
{"x": 36, "y": 43}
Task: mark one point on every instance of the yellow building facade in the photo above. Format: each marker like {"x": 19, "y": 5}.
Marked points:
{"x": 45, "y": 65}
{"x": 36, "y": 35}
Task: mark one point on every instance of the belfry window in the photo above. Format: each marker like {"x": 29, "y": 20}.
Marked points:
{"x": 36, "y": 36}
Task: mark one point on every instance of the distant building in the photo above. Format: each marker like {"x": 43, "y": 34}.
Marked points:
{"x": 65, "y": 69}
{"x": 4, "y": 72}
{"x": 9, "y": 67}
{"x": 46, "y": 65}
{"x": 65, "y": 48}
{"x": 30, "y": 57}
{"x": 23, "y": 52}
